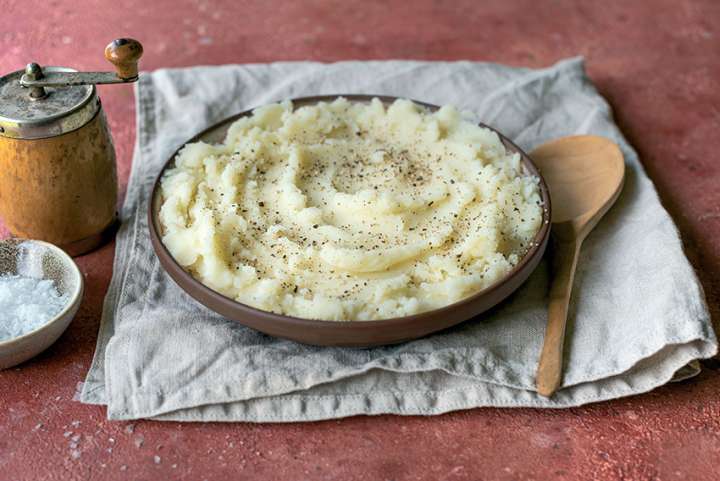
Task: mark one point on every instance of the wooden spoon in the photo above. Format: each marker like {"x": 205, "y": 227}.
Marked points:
{"x": 585, "y": 174}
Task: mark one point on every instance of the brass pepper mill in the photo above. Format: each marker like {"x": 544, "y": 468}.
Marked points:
{"x": 58, "y": 180}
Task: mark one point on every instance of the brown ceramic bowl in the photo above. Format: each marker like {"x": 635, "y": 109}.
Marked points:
{"x": 349, "y": 333}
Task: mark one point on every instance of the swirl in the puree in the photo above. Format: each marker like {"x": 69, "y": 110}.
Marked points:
{"x": 349, "y": 211}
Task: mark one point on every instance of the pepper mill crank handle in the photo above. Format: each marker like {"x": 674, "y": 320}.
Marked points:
{"x": 123, "y": 53}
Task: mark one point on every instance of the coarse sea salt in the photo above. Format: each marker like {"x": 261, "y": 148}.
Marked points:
{"x": 27, "y": 303}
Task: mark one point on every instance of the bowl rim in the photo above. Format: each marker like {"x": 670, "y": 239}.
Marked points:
{"x": 72, "y": 300}
{"x": 538, "y": 242}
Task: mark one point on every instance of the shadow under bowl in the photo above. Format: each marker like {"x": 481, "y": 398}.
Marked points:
{"x": 349, "y": 333}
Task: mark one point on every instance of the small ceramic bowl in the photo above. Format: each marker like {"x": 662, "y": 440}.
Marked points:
{"x": 39, "y": 259}
{"x": 350, "y": 333}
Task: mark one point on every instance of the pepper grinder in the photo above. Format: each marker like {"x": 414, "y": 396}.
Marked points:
{"x": 58, "y": 180}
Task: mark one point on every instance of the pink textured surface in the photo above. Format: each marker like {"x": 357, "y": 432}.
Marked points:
{"x": 657, "y": 62}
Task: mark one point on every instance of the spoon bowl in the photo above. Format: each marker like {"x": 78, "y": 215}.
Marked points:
{"x": 585, "y": 174}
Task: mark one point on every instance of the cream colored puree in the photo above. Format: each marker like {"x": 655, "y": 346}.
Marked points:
{"x": 349, "y": 211}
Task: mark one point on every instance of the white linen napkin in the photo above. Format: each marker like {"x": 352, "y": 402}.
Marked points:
{"x": 638, "y": 313}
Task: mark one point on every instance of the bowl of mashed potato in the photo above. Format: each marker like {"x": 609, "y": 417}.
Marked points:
{"x": 349, "y": 220}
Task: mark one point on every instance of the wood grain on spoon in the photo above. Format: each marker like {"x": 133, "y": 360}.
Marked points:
{"x": 585, "y": 174}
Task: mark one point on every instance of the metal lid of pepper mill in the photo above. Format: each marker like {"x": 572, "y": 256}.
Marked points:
{"x": 41, "y": 102}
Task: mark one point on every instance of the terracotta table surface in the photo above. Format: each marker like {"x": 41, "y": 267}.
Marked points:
{"x": 658, "y": 63}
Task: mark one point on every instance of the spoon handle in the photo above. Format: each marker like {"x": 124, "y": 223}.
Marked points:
{"x": 564, "y": 261}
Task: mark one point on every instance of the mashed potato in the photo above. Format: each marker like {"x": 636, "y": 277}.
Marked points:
{"x": 349, "y": 211}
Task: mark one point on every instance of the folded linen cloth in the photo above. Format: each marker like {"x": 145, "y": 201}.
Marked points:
{"x": 638, "y": 315}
